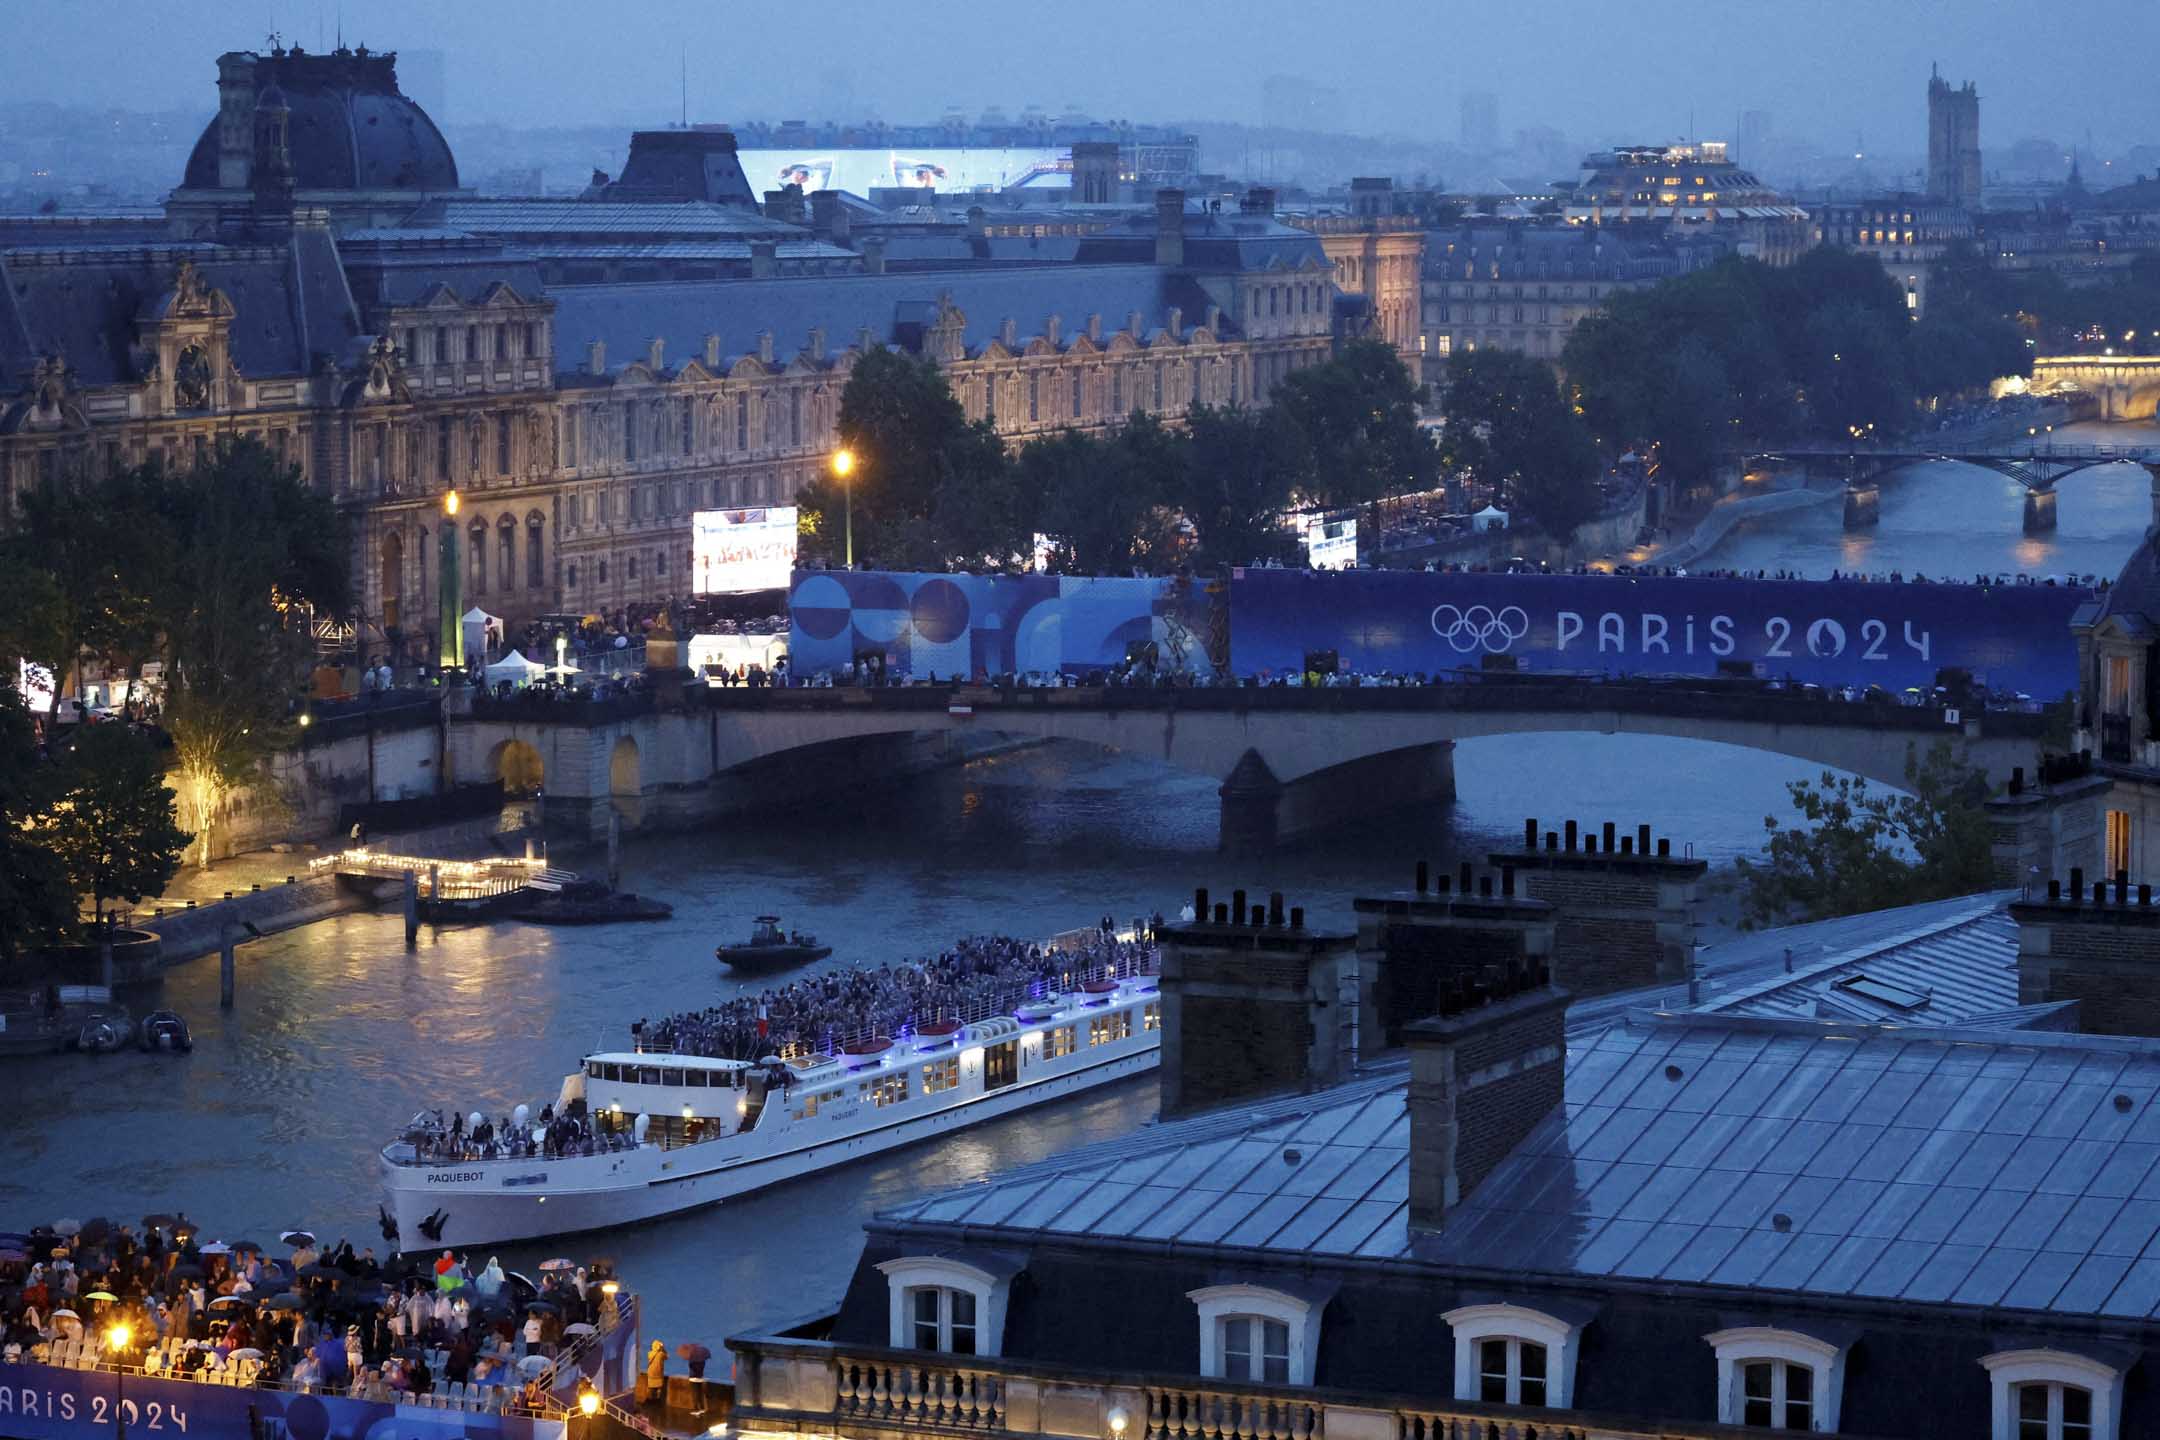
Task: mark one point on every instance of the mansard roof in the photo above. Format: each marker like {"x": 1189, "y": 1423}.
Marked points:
{"x": 628, "y": 317}
{"x": 1955, "y": 1167}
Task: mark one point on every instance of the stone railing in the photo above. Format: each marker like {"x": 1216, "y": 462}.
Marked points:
{"x": 792, "y": 1387}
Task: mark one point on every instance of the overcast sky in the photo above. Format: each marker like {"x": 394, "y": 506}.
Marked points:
{"x": 1831, "y": 69}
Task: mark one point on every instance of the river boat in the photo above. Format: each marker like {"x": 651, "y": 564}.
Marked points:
{"x": 771, "y": 948}
{"x": 587, "y": 905}
{"x": 677, "y": 1132}
{"x": 164, "y": 1030}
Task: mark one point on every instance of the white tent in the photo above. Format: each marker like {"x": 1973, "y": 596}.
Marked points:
{"x": 515, "y": 668}
{"x": 1492, "y": 517}
{"x": 479, "y": 626}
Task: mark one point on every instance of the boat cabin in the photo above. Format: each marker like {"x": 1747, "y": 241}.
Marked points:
{"x": 684, "y": 1098}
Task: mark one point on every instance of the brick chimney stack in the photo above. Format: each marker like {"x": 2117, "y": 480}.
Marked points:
{"x": 1623, "y": 904}
{"x": 1416, "y": 947}
{"x": 1170, "y": 227}
{"x": 1483, "y": 1073}
{"x": 2098, "y": 946}
{"x": 1253, "y": 1003}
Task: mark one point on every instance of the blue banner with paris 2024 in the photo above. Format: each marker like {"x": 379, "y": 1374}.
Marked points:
{"x": 2013, "y": 638}
{"x": 962, "y": 626}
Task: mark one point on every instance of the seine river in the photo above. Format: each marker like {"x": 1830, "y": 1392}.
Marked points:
{"x": 341, "y": 1032}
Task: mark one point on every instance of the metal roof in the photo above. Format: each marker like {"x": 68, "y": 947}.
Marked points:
{"x": 1947, "y": 971}
{"x": 1970, "y": 1167}
{"x": 686, "y": 218}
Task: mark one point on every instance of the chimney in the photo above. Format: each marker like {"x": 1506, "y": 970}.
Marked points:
{"x": 1009, "y": 333}
{"x": 1095, "y": 172}
{"x": 712, "y": 353}
{"x": 1251, "y": 1006}
{"x": 2102, "y": 952}
{"x": 978, "y": 222}
{"x": 236, "y": 120}
{"x": 1483, "y": 1074}
{"x": 816, "y": 348}
{"x": 655, "y": 354}
{"x": 1174, "y": 322}
{"x": 873, "y": 254}
{"x": 1260, "y": 200}
{"x": 765, "y": 346}
{"x": 1094, "y": 328}
{"x": 764, "y": 257}
{"x": 785, "y": 205}
{"x": 829, "y": 216}
{"x": 1622, "y": 916}
{"x": 1214, "y": 321}
{"x": 1136, "y": 324}
{"x": 1054, "y": 331}
{"x": 1170, "y": 227}
{"x": 1417, "y": 948}
{"x": 596, "y": 358}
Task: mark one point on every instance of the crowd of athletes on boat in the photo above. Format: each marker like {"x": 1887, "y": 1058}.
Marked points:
{"x": 166, "y": 1299}
{"x": 820, "y": 1013}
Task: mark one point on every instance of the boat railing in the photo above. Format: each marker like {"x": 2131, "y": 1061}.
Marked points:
{"x": 997, "y": 1004}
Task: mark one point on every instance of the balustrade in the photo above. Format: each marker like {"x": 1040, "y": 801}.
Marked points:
{"x": 912, "y": 1393}
{"x": 1223, "y": 1415}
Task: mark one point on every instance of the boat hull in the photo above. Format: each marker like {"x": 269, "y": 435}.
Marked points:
{"x": 769, "y": 957}
{"x": 497, "y": 1202}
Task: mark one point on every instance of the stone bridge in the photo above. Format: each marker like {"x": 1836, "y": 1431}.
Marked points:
{"x": 2038, "y": 467}
{"x": 2123, "y": 387}
{"x": 1290, "y": 761}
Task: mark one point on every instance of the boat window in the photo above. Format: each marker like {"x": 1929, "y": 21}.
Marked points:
{"x": 647, "y": 1075}
{"x": 941, "y": 1075}
{"x": 1151, "y": 1018}
{"x": 1057, "y": 1041}
{"x": 672, "y": 1075}
{"x": 1107, "y": 1029}
{"x": 696, "y": 1079}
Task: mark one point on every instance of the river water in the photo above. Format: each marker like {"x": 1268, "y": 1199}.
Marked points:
{"x": 341, "y": 1032}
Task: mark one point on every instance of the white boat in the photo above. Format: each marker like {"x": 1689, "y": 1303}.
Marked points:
{"x": 674, "y": 1132}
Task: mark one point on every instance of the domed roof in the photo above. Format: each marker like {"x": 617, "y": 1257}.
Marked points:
{"x": 350, "y": 128}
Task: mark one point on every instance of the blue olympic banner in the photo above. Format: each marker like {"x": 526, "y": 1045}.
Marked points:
{"x": 1823, "y": 632}
{"x": 41, "y": 1402}
{"x": 969, "y": 625}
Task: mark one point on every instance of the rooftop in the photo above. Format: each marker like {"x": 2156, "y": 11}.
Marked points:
{"x": 1967, "y": 1167}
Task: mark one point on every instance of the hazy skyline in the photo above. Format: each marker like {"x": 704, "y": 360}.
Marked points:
{"x": 1833, "y": 70}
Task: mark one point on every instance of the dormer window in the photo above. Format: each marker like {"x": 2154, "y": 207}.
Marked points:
{"x": 2044, "y": 1394}
{"x": 1778, "y": 1379}
{"x": 1514, "y": 1355}
{"x": 949, "y": 1304}
{"x": 1257, "y": 1335}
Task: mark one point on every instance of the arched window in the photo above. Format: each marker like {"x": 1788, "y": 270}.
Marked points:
{"x": 476, "y": 557}
{"x": 535, "y": 552}
{"x": 1513, "y": 1355}
{"x": 2054, "y": 1395}
{"x": 947, "y": 1303}
{"x": 1779, "y": 1379}
{"x": 571, "y": 572}
{"x": 1255, "y": 1334}
{"x": 506, "y": 552}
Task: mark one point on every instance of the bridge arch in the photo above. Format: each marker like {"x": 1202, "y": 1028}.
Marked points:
{"x": 518, "y": 764}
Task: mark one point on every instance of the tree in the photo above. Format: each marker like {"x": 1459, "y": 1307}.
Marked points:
{"x": 109, "y": 817}
{"x": 1358, "y": 413}
{"x": 36, "y": 903}
{"x": 1509, "y": 425}
{"x": 1866, "y": 850}
{"x": 1105, "y": 500}
{"x": 254, "y": 550}
{"x": 102, "y": 542}
{"x": 1240, "y": 470}
{"x": 929, "y": 488}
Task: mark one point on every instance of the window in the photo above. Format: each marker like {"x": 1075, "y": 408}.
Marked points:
{"x": 1511, "y": 1372}
{"x": 534, "y": 553}
{"x": 1034, "y": 396}
{"x": 941, "y": 1075}
{"x": 689, "y": 428}
{"x": 1117, "y": 394}
{"x": 2118, "y": 842}
{"x": 629, "y": 431}
{"x": 1108, "y": 1029}
{"x": 794, "y": 417}
{"x": 476, "y": 550}
{"x": 990, "y": 398}
{"x": 742, "y": 422}
{"x": 532, "y": 340}
{"x": 1058, "y": 1042}
{"x": 1513, "y": 1355}
{"x": 1158, "y": 384}
{"x": 472, "y": 342}
{"x": 442, "y": 450}
{"x": 603, "y": 572}
{"x": 442, "y": 345}
{"x": 942, "y": 1319}
{"x": 502, "y": 444}
{"x": 2115, "y": 693}
{"x": 885, "y": 1089}
{"x": 2053, "y": 1395}
{"x": 1001, "y": 1065}
{"x": 952, "y": 1303}
{"x": 1078, "y": 403}
{"x": 1778, "y": 1379}
{"x": 569, "y": 437}
{"x": 506, "y": 553}
{"x": 1256, "y": 1334}
{"x": 1254, "y": 1348}
{"x": 1151, "y": 1017}
{"x": 572, "y": 574}
{"x": 502, "y": 342}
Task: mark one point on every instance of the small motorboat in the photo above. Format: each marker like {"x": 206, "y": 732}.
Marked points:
{"x": 164, "y": 1030}
{"x": 771, "y": 948}
{"x": 103, "y": 1034}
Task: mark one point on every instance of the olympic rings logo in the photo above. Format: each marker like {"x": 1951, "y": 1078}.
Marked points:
{"x": 1480, "y": 627}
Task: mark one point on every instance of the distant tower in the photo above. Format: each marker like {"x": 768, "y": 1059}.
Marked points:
{"x": 1953, "y": 142}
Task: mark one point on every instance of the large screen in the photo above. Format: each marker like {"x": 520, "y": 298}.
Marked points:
{"x": 1825, "y": 632}
{"x": 732, "y": 551}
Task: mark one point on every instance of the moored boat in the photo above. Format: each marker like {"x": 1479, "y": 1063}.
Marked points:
{"x": 164, "y": 1030}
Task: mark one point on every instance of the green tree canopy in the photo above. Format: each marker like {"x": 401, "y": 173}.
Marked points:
{"x": 101, "y": 542}
{"x": 1509, "y": 425}
{"x": 1241, "y": 469}
{"x": 37, "y": 903}
{"x": 1862, "y": 849}
{"x": 1358, "y": 416}
{"x": 108, "y": 816}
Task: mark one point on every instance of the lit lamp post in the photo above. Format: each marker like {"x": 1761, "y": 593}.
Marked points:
{"x": 588, "y": 1403}
{"x": 843, "y": 467}
{"x": 116, "y": 1338}
{"x": 450, "y": 591}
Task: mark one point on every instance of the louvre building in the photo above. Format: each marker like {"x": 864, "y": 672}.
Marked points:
{"x": 586, "y": 372}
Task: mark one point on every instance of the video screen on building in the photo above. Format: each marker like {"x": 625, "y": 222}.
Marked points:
{"x": 734, "y": 551}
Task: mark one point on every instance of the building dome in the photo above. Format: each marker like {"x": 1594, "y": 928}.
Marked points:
{"x": 349, "y": 127}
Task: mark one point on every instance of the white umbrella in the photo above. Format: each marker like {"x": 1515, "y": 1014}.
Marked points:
{"x": 215, "y": 1247}
{"x": 63, "y": 1313}
{"x": 533, "y": 1364}
{"x": 581, "y": 1328}
{"x": 246, "y": 1352}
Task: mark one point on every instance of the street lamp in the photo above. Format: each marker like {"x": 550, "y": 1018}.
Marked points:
{"x": 449, "y": 590}
{"x": 843, "y": 466}
{"x": 116, "y": 1337}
